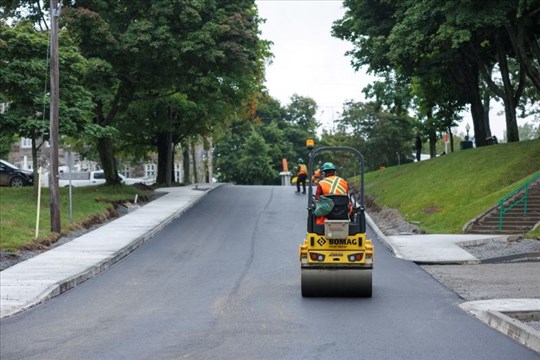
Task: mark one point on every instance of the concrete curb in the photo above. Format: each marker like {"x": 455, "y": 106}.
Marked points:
{"x": 495, "y": 313}
{"x": 380, "y": 234}
{"x": 11, "y": 306}
{"x": 531, "y": 256}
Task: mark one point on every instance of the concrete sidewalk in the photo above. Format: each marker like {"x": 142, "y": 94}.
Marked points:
{"x": 59, "y": 269}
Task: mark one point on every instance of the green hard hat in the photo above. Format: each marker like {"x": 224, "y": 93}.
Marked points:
{"x": 300, "y": 161}
{"x": 328, "y": 166}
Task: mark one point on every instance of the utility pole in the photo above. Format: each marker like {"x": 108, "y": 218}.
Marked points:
{"x": 55, "y": 83}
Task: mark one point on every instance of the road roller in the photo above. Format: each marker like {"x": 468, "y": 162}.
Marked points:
{"x": 336, "y": 257}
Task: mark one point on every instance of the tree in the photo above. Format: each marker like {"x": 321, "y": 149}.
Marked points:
{"x": 152, "y": 51}
{"x": 456, "y": 40}
{"x": 529, "y": 131}
{"x": 284, "y": 138}
{"x": 383, "y": 138}
{"x": 301, "y": 112}
{"x": 255, "y": 162}
{"x": 23, "y": 79}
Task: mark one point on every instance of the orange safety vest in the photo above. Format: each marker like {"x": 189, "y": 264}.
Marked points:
{"x": 302, "y": 169}
{"x": 334, "y": 185}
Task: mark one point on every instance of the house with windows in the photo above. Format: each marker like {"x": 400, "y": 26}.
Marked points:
{"x": 200, "y": 164}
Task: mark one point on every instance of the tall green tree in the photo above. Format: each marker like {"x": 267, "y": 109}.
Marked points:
{"x": 459, "y": 38}
{"x": 283, "y": 135}
{"x": 384, "y": 138}
{"x": 255, "y": 163}
{"x": 301, "y": 112}
{"x": 155, "y": 49}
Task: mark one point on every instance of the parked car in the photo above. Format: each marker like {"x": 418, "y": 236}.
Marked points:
{"x": 90, "y": 178}
{"x": 10, "y": 175}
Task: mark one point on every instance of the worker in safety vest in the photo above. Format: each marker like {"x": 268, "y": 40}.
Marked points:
{"x": 330, "y": 185}
{"x": 316, "y": 176}
{"x": 301, "y": 176}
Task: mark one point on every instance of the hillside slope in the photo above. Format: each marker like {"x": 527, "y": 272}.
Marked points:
{"x": 444, "y": 193}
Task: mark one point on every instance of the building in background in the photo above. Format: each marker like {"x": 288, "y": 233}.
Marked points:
{"x": 200, "y": 162}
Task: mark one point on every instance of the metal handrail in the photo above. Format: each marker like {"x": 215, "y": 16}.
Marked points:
{"x": 524, "y": 199}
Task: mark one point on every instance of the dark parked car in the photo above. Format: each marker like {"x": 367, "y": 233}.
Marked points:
{"x": 10, "y": 175}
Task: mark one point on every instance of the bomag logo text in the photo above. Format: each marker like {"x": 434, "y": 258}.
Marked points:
{"x": 343, "y": 241}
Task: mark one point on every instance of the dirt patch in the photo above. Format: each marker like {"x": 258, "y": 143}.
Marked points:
{"x": 390, "y": 220}
{"x": 432, "y": 210}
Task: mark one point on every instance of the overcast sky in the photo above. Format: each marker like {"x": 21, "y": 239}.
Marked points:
{"x": 310, "y": 62}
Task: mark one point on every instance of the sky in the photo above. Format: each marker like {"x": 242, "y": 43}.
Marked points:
{"x": 309, "y": 62}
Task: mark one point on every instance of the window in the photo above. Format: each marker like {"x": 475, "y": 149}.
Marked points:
{"x": 126, "y": 171}
{"x": 99, "y": 175}
{"x": 26, "y": 143}
{"x": 177, "y": 173}
{"x": 150, "y": 170}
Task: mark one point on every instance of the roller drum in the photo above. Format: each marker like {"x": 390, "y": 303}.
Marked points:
{"x": 339, "y": 282}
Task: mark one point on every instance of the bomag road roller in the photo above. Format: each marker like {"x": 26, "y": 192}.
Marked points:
{"x": 336, "y": 258}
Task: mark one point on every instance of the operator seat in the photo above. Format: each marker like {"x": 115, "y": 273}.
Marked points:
{"x": 341, "y": 207}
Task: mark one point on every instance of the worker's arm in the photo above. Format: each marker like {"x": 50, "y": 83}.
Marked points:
{"x": 318, "y": 193}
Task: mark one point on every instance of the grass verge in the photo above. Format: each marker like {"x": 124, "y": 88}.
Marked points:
{"x": 444, "y": 193}
{"x": 90, "y": 205}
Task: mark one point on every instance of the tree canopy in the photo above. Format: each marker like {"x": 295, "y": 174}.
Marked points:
{"x": 451, "y": 47}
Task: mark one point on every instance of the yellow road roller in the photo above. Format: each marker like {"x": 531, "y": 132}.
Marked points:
{"x": 336, "y": 257}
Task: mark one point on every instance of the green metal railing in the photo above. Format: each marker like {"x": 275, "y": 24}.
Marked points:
{"x": 503, "y": 209}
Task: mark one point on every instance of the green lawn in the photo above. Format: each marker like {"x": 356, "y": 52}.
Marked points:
{"x": 18, "y": 212}
{"x": 444, "y": 193}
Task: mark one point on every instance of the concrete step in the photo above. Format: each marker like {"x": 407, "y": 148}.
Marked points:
{"x": 505, "y": 227}
{"x": 523, "y": 219}
{"x": 493, "y": 231}
{"x": 515, "y": 221}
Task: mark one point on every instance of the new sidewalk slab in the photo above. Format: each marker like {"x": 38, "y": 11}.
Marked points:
{"x": 437, "y": 248}
{"x": 49, "y": 274}
{"x": 433, "y": 248}
{"x": 504, "y": 315}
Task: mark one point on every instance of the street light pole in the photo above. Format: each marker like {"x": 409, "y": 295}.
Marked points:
{"x": 53, "y": 140}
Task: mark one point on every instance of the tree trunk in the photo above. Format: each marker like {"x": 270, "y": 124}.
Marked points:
{"x": 487, "y": 100}
{"x": 168, "y": 149}
{"x": 471, "y": 86}
{"x": 185, "y": 163}
{"x": 173, "y": 147}
{"x": 510, "y": 103}
{"x": 451, "y": 139}
{"x": 432, "y": 135}
{"x": 527, "y": 50}
{"x": 106, "y": 156}
{"x": 162, "y": 158}
{"x": 168, "y": 162}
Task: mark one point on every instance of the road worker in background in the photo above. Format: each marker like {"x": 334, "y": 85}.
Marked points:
{"x": 301, "y": 176}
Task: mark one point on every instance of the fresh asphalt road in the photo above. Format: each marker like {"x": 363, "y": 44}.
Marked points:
{"x": 223, "y": 282}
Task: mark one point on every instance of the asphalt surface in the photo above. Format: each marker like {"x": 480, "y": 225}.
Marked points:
{"x": 54, "y": 272}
